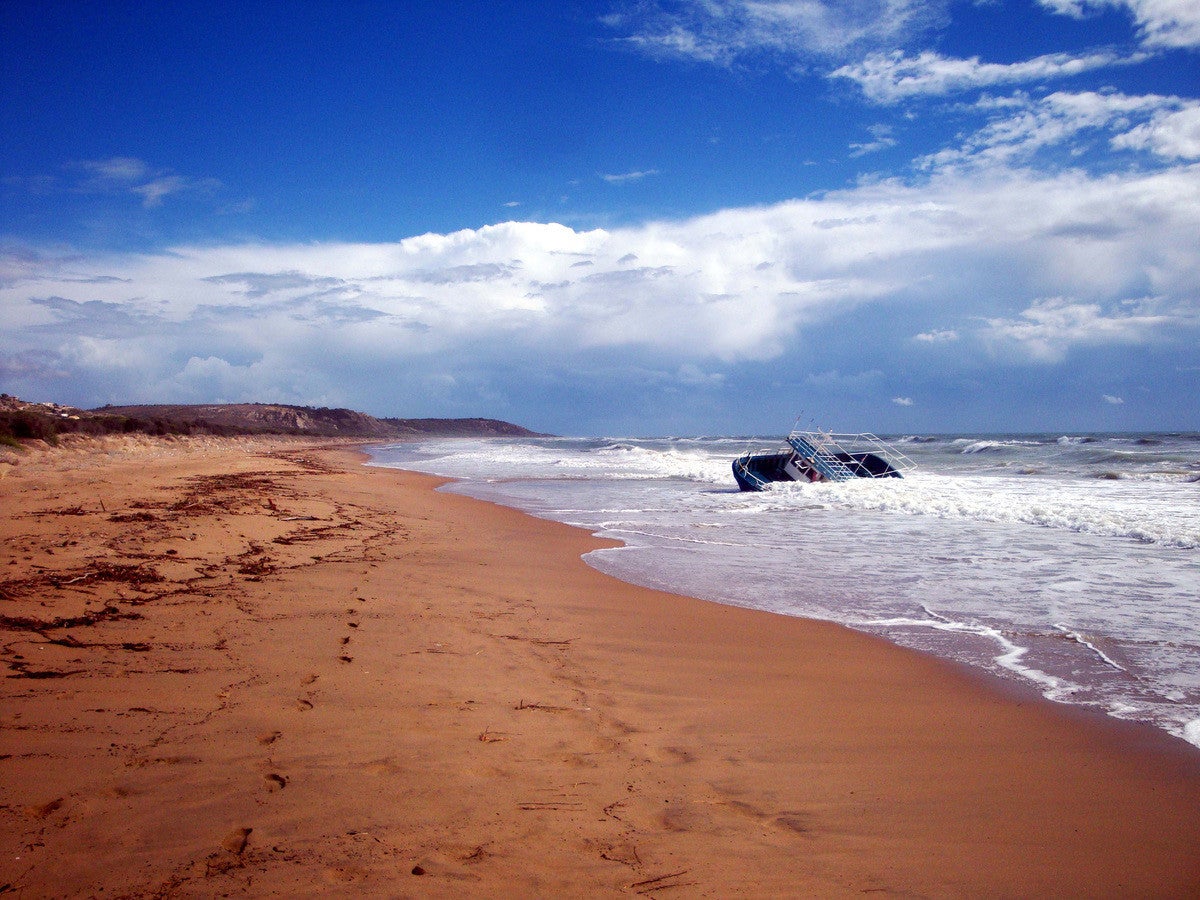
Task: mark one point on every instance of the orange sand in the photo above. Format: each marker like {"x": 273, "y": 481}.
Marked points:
{"x": 257, "y": 668}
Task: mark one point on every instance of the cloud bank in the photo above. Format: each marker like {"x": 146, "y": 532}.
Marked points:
{"x": 954, "y": 274}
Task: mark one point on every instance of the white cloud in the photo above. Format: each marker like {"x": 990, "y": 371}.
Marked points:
{"x": 1172, "y": 134}
{"x": 213, "y": 379}
{"x": 629, "y": 176}
{"x": 103, "y": 353}
{"x": 1049, "y": 328}
{"x": 1115, "y": 401}
{"x": 895, "y": 76}
{"x": 114, "y": 169}
{"x": 153, "y": 192}
{"x": 1020, "y": 126}
{"x": 1168, "y": 23}
{"x": 1161, "y": 23}
{"x": 676, "y": 40}
{"x": 903, "y": 401}
{"x": 883, "y": 140}
{"x": 972, "y": 253}
{"x": 831, "y": 26}
{"x": 722, "y": 31}
{"x": 693, "y": 376}
{"x": 937, "y": 336}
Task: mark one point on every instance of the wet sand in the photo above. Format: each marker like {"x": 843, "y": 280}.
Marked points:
{"x": 254, "y": 668}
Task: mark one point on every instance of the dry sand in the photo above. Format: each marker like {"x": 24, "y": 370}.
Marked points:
{"x": 257, "y": 668}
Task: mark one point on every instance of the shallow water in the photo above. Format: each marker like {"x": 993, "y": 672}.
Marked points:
{"x": 1069, "y": 563}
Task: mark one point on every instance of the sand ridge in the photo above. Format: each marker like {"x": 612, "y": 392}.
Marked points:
{"x": 259, "y": 668}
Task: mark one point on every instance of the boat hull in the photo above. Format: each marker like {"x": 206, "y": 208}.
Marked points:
{"x": 755, "y": 471}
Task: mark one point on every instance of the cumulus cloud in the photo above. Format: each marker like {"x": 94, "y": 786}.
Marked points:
{"x": 903, "y": 401}
{"x": 213, "y": 379}
{"x": 39, "y": 366}
{"x": 895, "y": 76}
{"x": 1169, "y": 133}
{"x": 499, "y": 311}
{"x": 1049, "y": 328}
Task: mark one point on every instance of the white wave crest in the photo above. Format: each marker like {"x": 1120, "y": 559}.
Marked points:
{"x": 613, "y": 460}
{"x": 1169, "y": 517}
{"x": 1009, "y": 658}
{"x": 987, "y": 446}
{"x": 1084, "y": 642}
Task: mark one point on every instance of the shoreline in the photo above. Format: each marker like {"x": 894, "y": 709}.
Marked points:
{"x": 1024, "y": 663}
{"x": 1136, "y": 731}
{"x": 280, "y": 670}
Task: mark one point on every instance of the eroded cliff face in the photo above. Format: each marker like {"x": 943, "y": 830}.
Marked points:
{"x": 280, "y": 417}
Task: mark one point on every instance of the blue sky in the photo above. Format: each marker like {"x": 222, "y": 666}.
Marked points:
{"x": 625, "y": 217}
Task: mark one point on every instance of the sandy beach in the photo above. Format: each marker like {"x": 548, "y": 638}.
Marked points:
{"x": 256, "y": 667}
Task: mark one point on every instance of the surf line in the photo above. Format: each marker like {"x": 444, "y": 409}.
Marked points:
{"x": 1081, "y": 640}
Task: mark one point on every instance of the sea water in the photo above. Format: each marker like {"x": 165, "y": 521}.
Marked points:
{"x": 1067, "y": 563}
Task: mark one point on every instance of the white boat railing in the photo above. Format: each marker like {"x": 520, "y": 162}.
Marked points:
{"x": 827, "y": 444}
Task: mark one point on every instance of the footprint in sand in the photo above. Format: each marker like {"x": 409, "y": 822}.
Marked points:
{"x": 269, "y": 737}
{"x": 275, "y": 781}
{"x": 344, "y": 874}
{"x": 235, "y": 841}
{"x": 42, "y": 810}
{"x": 386, "y": 766}
{"x": 303, "y": 705}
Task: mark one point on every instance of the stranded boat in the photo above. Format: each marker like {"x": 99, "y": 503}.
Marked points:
{"x": 821, "y": 456}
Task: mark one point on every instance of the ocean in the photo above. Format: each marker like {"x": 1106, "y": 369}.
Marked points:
{"x": 1066, "y": 563}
